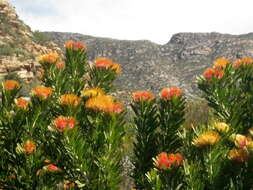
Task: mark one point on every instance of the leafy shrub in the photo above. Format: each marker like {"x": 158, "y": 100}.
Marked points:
{"x": 40, "y": 37}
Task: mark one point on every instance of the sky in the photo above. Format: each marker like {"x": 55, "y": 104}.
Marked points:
{"x": 155, "y": 20}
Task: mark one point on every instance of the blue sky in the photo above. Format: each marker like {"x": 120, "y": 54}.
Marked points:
{"x": 155, "y": 20}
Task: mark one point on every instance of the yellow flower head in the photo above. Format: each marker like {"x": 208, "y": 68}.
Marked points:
{"x": 207, "y": 138}
{"x": 220, "y": 63}
{"x": 49, "y": 58}
{"x": 91, "y": 92}
{"x": 238, "y": 155}
{"x": 116, "y": 67}
{"x": 221, "y": 126}
{"x": 70, "y": 99}
{"x": 11, "y": 85}
{"x": 240, "y": 141}
{"x": 42, "y": 92}
{"x": 104, "y": 103}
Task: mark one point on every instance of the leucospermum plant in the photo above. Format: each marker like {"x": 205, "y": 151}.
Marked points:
{"x": 157, "y": 124}
{"x": 226, "y": 146}
{"x": 68, "y": 133}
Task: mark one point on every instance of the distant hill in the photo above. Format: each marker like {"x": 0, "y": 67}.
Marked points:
{"x": 146, "y": 65}
{"x": 151, "y": 66}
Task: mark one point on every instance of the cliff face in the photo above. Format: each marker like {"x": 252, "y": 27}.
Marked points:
{"x": 18, "y": 46}
{"x": 150, "y": 66}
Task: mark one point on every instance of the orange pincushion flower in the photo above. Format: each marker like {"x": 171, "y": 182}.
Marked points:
{"x": 142, "y": 95}
{"x": 162, "y": 161}
{"x": 103, "y": 62}
{"x": 166, "y": 161}
{"x": 243, "y": 61}
{"x": 11, "y": 84}
{"x": 91, "y": 92}
{"x": 106, "y": 63}
{"x": 22, "y": 103}
{"x": 221, "y": 63}
{"x": 239, "y": 155}
{"x": 105, "y": 104}
{"x": 49, "y": 58}
{"x": 177, "y": 159}
{"x": 116, "y": 107}
{"x": 221, "y": 126}
{"x": 29, "y": 147}
{"x": 70, "y": 99}
{"x": 52, "y": 168}
{"x": 64, "y": 123}
{"x": 42, "y": 92}
{"x": 60, "y": 65}
{"x": 169, "y": 93}
{"x": 207, "y": 138}
{"x": 209, "y": 73}
{"x": 75, "y": 45}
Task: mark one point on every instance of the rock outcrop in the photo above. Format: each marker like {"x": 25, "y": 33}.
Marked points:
{"x": 18, "y": 47}
{"x": 151, "y": 66}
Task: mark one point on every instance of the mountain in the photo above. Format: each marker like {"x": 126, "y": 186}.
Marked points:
{"x": 19, "y": 46}
{"x": 151, "y": 66}
{"x": 146, "y": 65}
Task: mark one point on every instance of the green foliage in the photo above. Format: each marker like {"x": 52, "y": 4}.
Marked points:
{"x": 40, "y": 38}
{"x": 145, "y": 147}
{"x": 50, "y": 142}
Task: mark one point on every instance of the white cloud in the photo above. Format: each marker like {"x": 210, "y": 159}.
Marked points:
{"x": 155, "y": 20}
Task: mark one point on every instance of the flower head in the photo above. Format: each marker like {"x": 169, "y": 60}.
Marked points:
{"x": 11, "y": 85}
{"x": 241, "y": 141}
{"x": 206, "y": 138}
{"x": 92, "y": 92}
{"x": 166, "y": 161}
{"x": 106, "y": 63}
{"x": 105, "y": 104}
{"x": 221, "y": 126}
{"x": 29, "y": 147}
{"x": 142, "y": 95}
{"x": 238, "y": 155}
{"x": 169, "y": 93}
{"x": 243, "y": 61}
{"x": 52, "y": 168}
{"x": 22, "y": 103}
{"x": 60, "y": 65}
{"x": 75, "y": 45}
{"x": 221, "y": 63}
{"x": 70, "y": 99}
{"x": 62, "y": 123}
{"x": 42, "y": 92}
{"x": 49, "y": 58}
{"x": 209, "y": 73}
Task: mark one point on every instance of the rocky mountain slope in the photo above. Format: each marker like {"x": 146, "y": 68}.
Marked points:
{"x": 151, "y": 66}
{"x": 18, "y": 44}
{"x": 146, "y": 65}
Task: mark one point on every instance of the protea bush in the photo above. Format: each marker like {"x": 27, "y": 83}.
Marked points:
{"x": 69, "y": 133}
